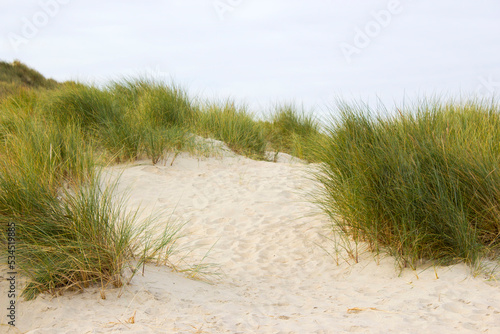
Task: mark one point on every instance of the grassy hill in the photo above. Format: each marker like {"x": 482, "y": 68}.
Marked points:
{"x": 16, "y": 76}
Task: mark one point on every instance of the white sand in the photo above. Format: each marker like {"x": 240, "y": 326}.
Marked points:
{"x": 276, "y": 276}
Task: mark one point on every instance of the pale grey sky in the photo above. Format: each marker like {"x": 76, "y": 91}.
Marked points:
{"x": 266, "y": 51}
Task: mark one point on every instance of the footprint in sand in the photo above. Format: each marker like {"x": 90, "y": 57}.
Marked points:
{"x": 152, "y": 169}
{"x": 200, "y": 201}
{"x": 456, "y": 307}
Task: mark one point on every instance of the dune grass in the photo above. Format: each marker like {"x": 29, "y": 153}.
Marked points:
{"x": 37, "y": 162}
{"x": 160, "y": 116}
{"x": 71, "y": 231}
{"x": 421, "y": 185}
{"x": 129, "y": 118}
{"x": 16, "y": 77}
{"x": 135, "y": 117}
{"x": 233, "y": 125}
{"x": 293, "y": 131}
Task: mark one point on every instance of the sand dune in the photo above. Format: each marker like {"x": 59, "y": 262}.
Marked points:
{"x": 275, "y": 275}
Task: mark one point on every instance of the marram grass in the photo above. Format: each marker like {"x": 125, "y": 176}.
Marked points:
{"x": 293, "y": 131}
{"x": 88, "y": 239}
{"x": 71, "y": 231}
{"x": 128, "y": 118}
{"x": 422, "y": 185}
{"x": 233, "y": 125}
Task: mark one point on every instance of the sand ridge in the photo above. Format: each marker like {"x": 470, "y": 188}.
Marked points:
{"x": 276, "y": 276}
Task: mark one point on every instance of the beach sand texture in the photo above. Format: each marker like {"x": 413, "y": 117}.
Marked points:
{"x": 276, "y": 276}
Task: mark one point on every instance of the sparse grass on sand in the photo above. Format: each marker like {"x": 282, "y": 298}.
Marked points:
{"x": 423, "y": 184}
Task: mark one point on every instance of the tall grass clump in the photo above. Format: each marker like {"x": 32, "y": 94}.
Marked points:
{"x": 22, "y": 104}
{"x": 163, "y": 105}
{"x": 423, "y": 185}
{"x": 100, "y": 116}
{"x": 87, "y": 106}
{"x": 89, "y": 239}
{"x": 235, "y": 126}
{"x": 159, "y": 142}
{"x": 37, "y": 163}
{"x": 293, "y": 131}
{"x": 71, "y": 230}
{"x": 127, "y": 118}
{"x": 160, "y": 115}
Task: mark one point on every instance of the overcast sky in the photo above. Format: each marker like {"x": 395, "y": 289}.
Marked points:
{"x": 265, "y": 51}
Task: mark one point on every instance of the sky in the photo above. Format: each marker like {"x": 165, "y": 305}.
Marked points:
{"x": 266, "y": 52}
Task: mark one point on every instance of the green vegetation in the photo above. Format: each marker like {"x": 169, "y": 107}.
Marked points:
{"x": 16, "y": 76}
{"x": 128, "y": 119}
{"x": 70, "y": 229}
{"x": 293, "y": 132}
{"x": 422, "y": 185}
{"x": 235, "y": 126}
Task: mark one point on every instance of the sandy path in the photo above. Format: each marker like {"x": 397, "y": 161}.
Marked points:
{"x": 276, "y": 278}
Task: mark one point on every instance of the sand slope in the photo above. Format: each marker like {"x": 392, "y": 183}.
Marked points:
{"x": 276, "y": 278}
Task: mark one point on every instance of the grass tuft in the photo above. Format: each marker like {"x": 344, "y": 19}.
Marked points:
{"x": 423, "y": 184}
{"x": 293, "y": 131}
{"x": 235, "y": 126}
{"x": 70, "y": 231}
